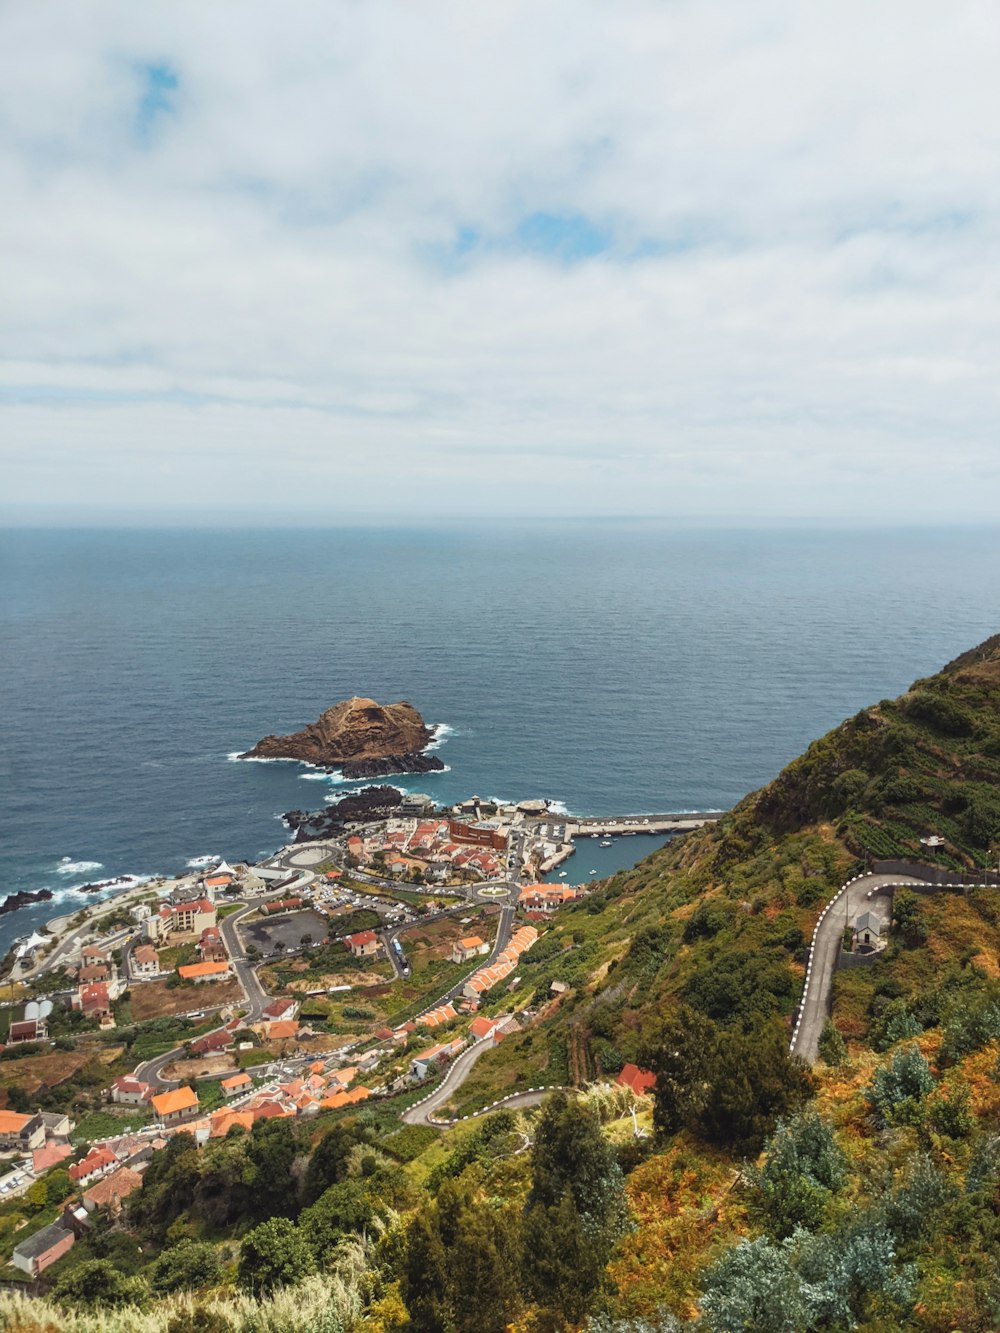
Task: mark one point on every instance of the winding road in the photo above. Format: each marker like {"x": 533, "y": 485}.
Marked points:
{"x": 827, "y": 942}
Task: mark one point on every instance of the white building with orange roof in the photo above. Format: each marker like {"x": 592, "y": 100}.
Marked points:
{"x": 176, "y": 1106}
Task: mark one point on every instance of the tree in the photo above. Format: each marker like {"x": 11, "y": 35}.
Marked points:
{"x": 832, "y": 1047}
{"x": 98, "y": 1283}
{"x": 682, "y": 1057}
{"x": 342, "y": 1209}
{"x": 575, "y": 1210}
{"x": 186, "y": 1266}
{"x": 424, "y": 1285}
{"x": 722, "y": 1084}
{"x": 803, "y": 1168}
{"x": 328, "y": 1163}
{"x": 753, "y": 1288}
{"x": 271, "y": 1150}
{"x": 459, "y": 1271}
{"x": 908, "y": 917}
{"x": 272, "y": 1255}
{"x": 563, "y": 1259}
{"x": 897, "y": 1091}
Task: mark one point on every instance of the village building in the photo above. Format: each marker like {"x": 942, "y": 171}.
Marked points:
{"x": 144, "y": 962}
{"x": 869, "y": 932}
{"x": 283, "y": 905}
{"x": 97, "y": 1163}
{"x": 42, "y": 1249}
{"x": 481, "y": 834}
{"x": 286, "y": 1030}
{"x": 57, "y": 1124}
{"x": 211, "y": 946}
{"x": 213, "y": 1042}
{"x": 220, "y": 878}
{"x": 232, "y": 1087}
{"x": 129, "y": 1091}
{"x": 641, "y": 1081}
{"x": 199, "y": 972}
{"x": 281, "y": 1009}
{"x": 481, "y": 1028}
{"x": 470, "y": 947}
{"x": 92, "y": 954}
{"x": 27, "y": 1029}
{"x": 176, "y": 1106}
{"x": 43, "y": 1159}
{"x": 94, "y": 1001}
{"x": 545, "y": 898}
{"x": 112, "y": 1190}
{"x": 21, "y": 1133}
{"x": 364, "y": 944}
{"x": 186, "y": 918}
{"x": 94, "y": 972}
{"x": 428, "y": 1061}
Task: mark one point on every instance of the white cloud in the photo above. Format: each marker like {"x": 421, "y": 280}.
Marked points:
{"x": 258, "y": 295}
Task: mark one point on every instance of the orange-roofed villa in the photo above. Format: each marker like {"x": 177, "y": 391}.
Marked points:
{"x": 176, "y": 1106}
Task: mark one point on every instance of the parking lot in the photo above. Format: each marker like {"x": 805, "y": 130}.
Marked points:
{"x": 284, "y": 931}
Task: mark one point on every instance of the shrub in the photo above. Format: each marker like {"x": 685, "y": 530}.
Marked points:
{"x": 802, "y": 1170}
{"x": 897, "y": 1091}
{"x": 832, "y": 1048}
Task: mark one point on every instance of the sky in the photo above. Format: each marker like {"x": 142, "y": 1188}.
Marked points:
{"x": 333, "y": 261}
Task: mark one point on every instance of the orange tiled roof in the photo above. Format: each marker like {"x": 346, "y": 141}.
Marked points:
{"x": 191, "y": 970}
{"x": 179, "y": 1099}
{"x": 12, "y": 1122}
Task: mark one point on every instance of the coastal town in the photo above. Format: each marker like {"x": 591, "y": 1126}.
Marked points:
{"x": 354, "y": 967}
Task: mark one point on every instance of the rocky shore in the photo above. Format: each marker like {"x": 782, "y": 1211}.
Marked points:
{"x": 371, "y": 803}
{"x": 393, "y": 763}
{"x": 355, "y": 732}
{"x": 24, "y": 898}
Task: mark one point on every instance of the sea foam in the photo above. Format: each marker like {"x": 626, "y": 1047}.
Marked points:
{"x": 78, "y": 867}
{"x": 442, "y": 732}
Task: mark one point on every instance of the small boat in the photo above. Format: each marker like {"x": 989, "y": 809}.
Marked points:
{"x": 563, "y": 874}
{"x": 593, "y": 872}
{"x": 595, "y": 835}
{"x": 605, "y": 842}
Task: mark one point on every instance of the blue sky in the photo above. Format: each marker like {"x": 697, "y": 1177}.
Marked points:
{"x": 735, "y": 261}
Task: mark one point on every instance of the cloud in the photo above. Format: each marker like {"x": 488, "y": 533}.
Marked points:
{"x": 648, "y": 258}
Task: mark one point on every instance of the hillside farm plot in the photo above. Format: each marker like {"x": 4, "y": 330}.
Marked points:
{"x": 155, "y": 999}
{"x": 53, "y": 1068}
{"x": 284, "y": 931}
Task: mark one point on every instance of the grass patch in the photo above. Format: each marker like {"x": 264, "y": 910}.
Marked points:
{"x": 106, "y": 1124}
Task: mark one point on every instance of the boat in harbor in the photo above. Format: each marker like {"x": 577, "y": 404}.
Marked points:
{"x": 605, "y": 842}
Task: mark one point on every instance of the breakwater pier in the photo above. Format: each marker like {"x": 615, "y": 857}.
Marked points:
{"x": 611, "y": 826}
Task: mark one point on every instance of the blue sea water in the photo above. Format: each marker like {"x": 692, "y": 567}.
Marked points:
{"x": 612, "y": 667}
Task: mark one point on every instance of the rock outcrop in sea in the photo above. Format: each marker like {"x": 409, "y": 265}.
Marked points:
{"x": 355, "y": 735}
{"x": 24, "y": 898}
{"x": 370, "y": 803}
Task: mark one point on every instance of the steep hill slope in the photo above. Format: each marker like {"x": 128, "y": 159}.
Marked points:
{"x": 720, "y": 920}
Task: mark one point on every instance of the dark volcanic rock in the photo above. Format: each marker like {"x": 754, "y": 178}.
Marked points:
{"x": 24, "y": 899}
{"x": 353, "y": 731}
{"x": 393, "y": 763}
{"x": 370, "y": 803}
{"x": 95, "y": 886}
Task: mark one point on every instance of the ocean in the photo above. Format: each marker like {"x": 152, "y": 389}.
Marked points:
{"x": 611, "y": 667}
